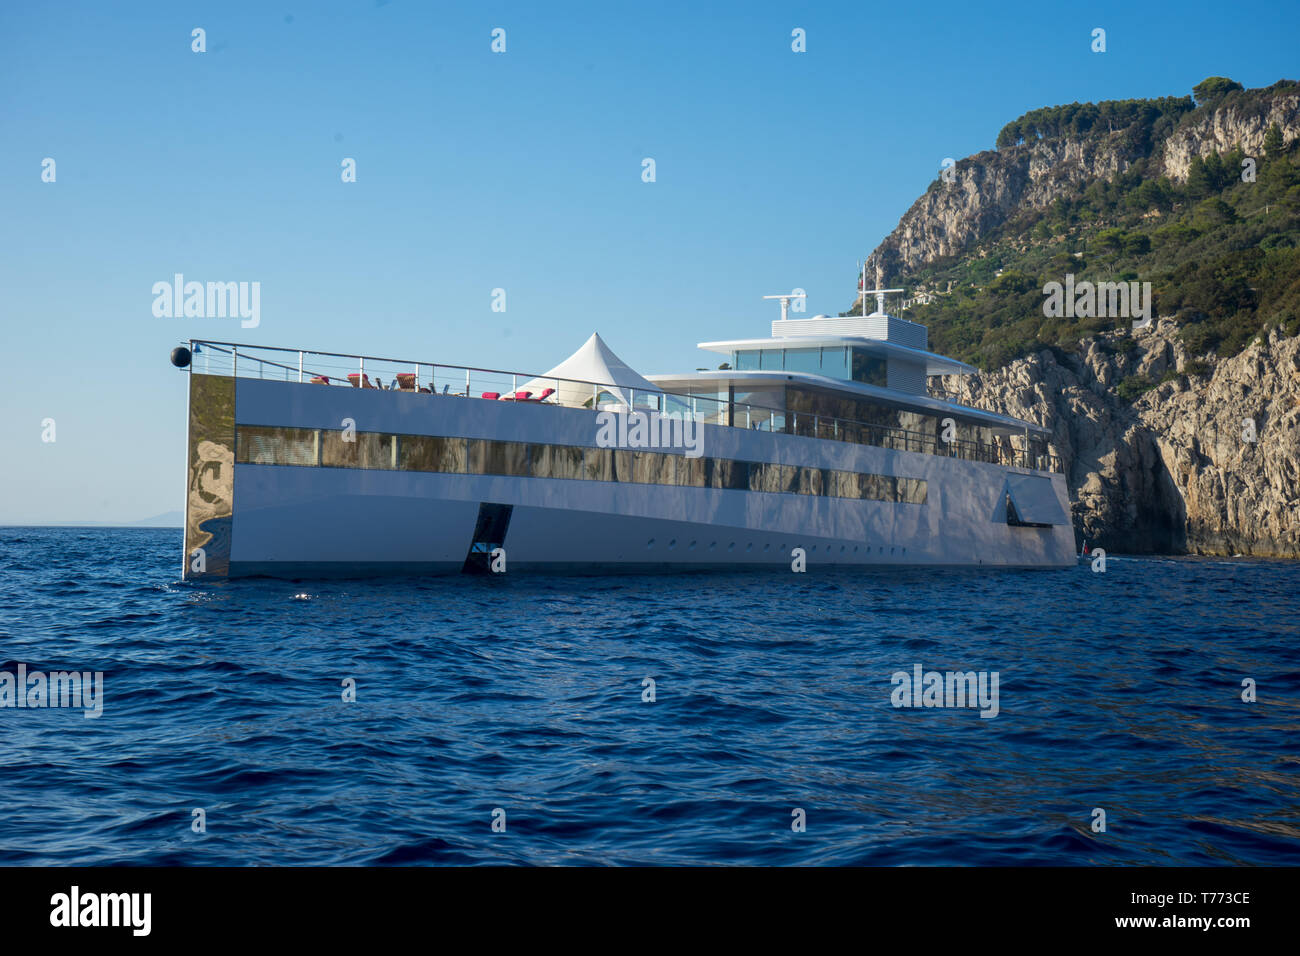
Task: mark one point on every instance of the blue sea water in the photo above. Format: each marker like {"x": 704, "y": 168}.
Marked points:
{"x": 1120, "y": 691}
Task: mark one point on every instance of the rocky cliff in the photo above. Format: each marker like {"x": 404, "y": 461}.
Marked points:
{"x": 1206, "y": 462}
{"x": 1237, "y": 122}
{"x": 987, "y": 190}
{"x": 1180, "y": 438}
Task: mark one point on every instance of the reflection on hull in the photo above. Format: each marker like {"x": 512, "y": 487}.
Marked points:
{"x": 438, "y": 485}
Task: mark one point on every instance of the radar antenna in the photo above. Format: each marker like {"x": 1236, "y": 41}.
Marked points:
{"x": 785, "y": 301}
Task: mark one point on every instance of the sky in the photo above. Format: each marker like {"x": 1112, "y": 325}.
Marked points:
{"x": 477, "y": 170}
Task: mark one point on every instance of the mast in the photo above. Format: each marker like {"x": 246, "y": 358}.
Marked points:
{"x": 878, "y": 292}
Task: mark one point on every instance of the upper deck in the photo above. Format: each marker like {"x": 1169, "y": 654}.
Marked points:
{"x": 872, "y": 368}
{"x": 879, "y": 349}
{"x": 979, "y": 436}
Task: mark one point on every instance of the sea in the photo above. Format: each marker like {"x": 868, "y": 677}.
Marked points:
{"x": 1145, "y": 714}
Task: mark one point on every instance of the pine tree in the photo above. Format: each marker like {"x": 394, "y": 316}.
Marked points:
{"x": 1273, "y": 144}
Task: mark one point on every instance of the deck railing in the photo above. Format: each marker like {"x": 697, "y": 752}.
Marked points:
{"x": 940, "y": 392}
{"x": 363, "y": 371}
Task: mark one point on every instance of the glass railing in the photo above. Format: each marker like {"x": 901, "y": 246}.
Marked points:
{"x": 343, "y": 370}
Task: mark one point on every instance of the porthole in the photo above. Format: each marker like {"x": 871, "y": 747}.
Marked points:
{"x": 672, "y": 544}
{"x": 650, "y": 543}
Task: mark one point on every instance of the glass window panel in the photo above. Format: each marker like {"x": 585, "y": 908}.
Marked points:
{"x": 869, "y": 369}
{"x": 788, "y": 478}
{"x": 852, "y": 432}
{"x": 677, "y": 405}
{"x": 711, "y": 408}
{"x": 844, "y": 484}
{"x": 598, "y": 464}
{"x": 811, "y": 481}
{"x": 725, "y": 473}
{"x": 555, "y": 461}
{"x": 498, "y": 457}
{"x": 369, "y": 450}
{"x": 804, "y": 360}
{"x": 477, "y": 458}
{"x": 622, "y": 465}
{"x": 652, "y": 468}
{"x": 765, "y": 476}
{"x": 833, "y": 362}
{"x": 691, "y": 472}
{"x": 258, "y": 445}
{"x": 913, "y": 490}
{"x": 270, "y": 445}
{"x": 429, "y": 453}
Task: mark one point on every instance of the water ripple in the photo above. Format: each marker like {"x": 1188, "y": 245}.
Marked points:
{"x": 476, "y": 697}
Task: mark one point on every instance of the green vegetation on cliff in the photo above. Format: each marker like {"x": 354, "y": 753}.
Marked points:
{"x": 1221, "y": 250}
{"x": 1142, "y": 120}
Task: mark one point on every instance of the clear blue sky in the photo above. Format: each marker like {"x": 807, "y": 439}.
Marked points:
{"x": 479, "y": 170}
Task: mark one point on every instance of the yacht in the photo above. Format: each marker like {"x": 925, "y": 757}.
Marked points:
{"x": 830, "y": 442}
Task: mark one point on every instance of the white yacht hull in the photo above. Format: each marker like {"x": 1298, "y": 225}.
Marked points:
{"x": 296, "y": 520}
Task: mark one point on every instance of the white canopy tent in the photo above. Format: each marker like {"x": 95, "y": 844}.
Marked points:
{"x": 596, "y": 363}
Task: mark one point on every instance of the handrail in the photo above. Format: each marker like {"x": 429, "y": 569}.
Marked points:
{"x": 727, "y": 412}
{"x": 407, "y": 361}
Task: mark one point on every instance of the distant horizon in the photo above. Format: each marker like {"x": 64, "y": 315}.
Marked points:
{"x": 80, "y": 524}
{"x": 154, "y": 521}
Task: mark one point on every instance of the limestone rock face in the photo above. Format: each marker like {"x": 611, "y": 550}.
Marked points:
{"x": 990, "y": 187}
{"x": 987, "y": 189}
{"x": 1207, "y": 461}
{"x": 1223, "y": 129}
{"x": 1176, "y": 471}
{"x": 1241, "y": 496}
